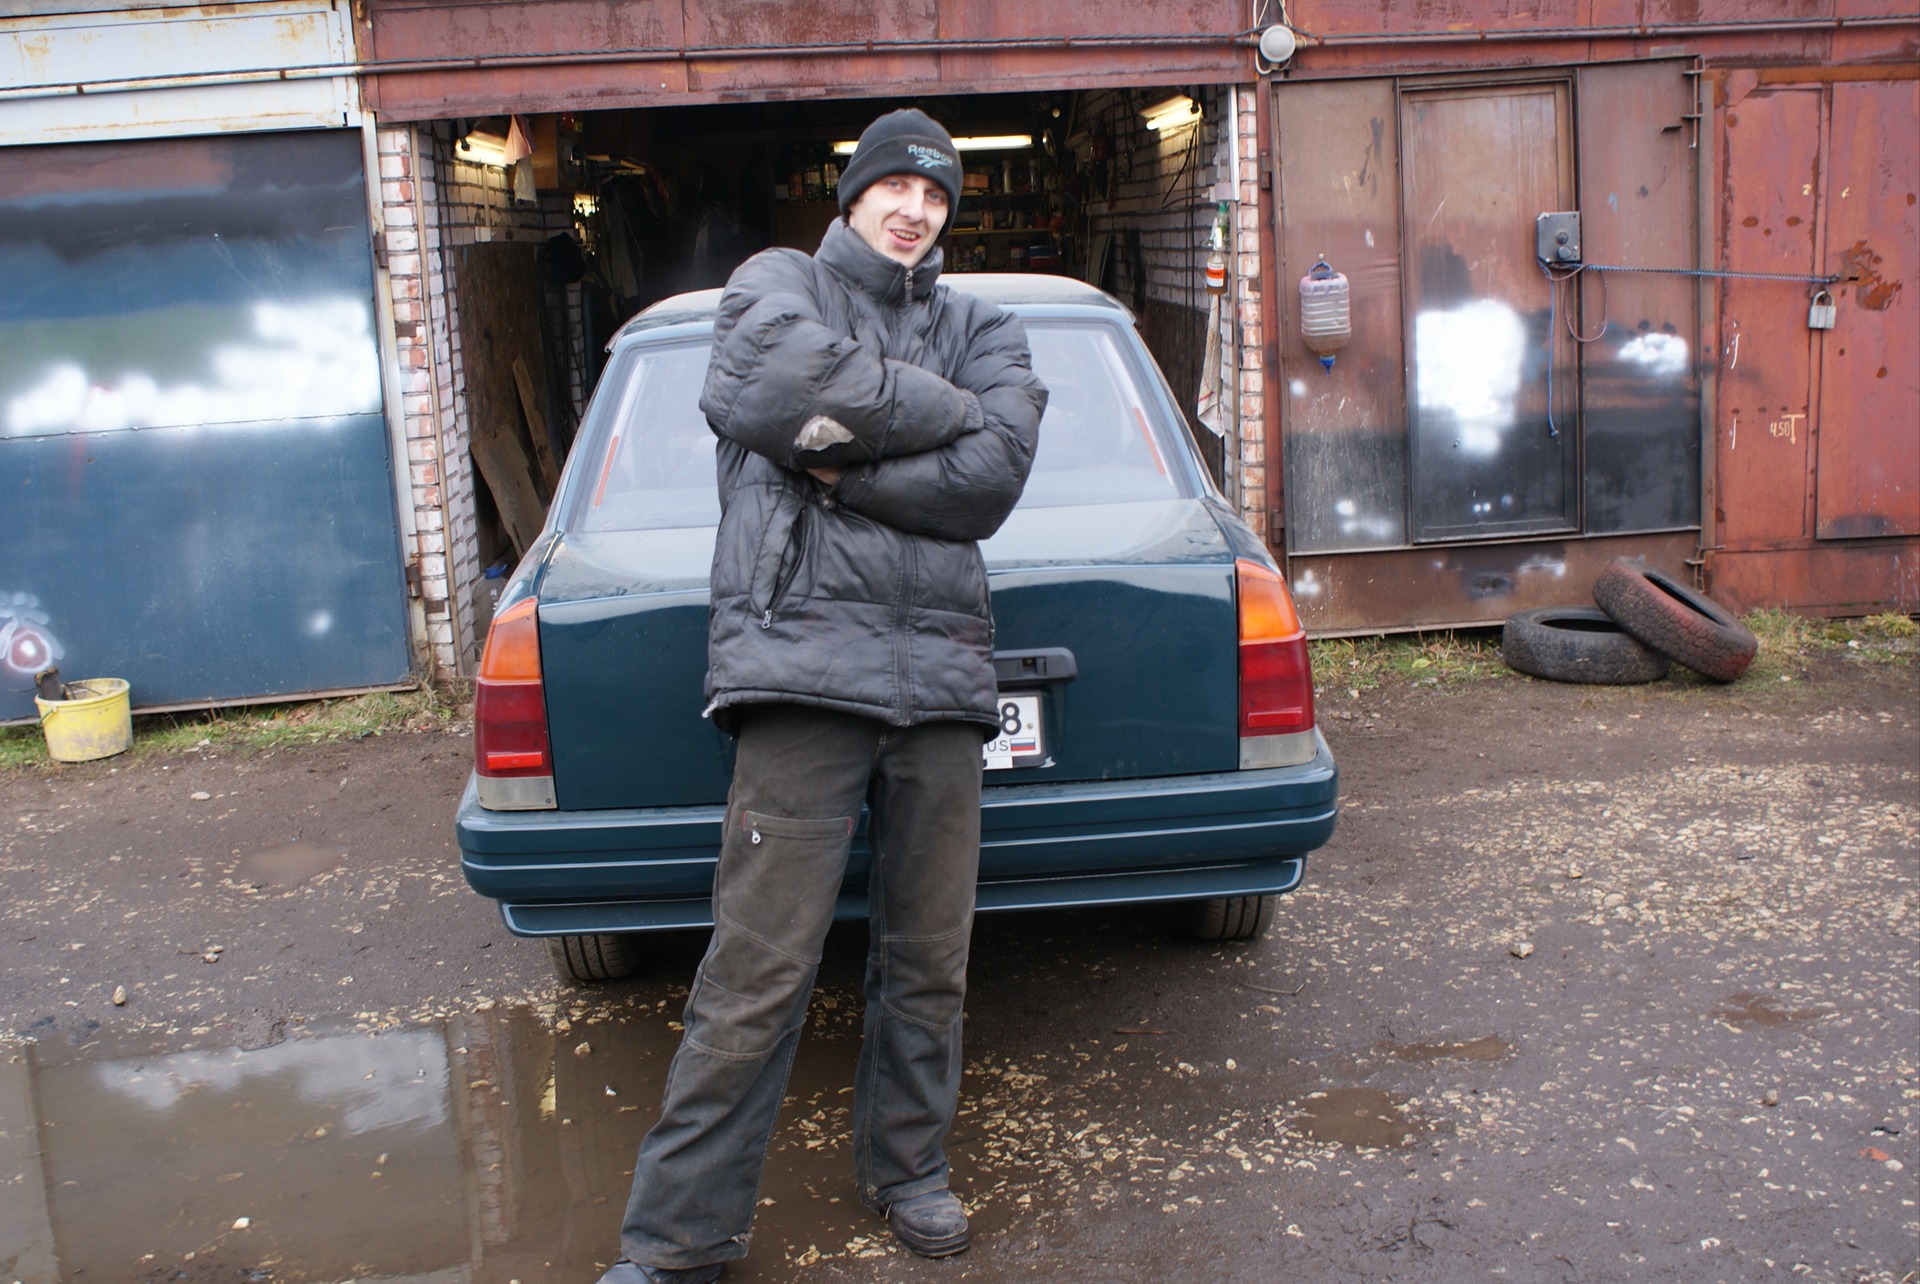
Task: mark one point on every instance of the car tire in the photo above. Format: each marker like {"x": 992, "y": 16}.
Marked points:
{"x": 1231, "y": 918}
{"x": 1675, "y": 620}
{"x": 603, "y": 957}
{"x": 1577, "y": 644}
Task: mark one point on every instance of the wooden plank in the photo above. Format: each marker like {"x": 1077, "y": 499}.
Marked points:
{"x": 503, "y": 465}
{"x": 536, "y": 424}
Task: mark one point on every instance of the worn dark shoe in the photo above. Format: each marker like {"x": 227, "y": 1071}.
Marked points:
{"x": 932, "y": 1225}
{"x": 625, "y": 1272}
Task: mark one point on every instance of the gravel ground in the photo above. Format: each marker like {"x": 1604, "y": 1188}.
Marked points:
{"x": 1592, "y": 984}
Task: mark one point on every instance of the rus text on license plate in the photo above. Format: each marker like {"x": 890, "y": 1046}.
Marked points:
{"x": 1020, "y": 741}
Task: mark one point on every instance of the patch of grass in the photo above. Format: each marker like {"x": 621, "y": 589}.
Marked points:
{"x": 1428, "y": 659}
{"x": 1890, "y": 627}
{"x": 263, "y": 726}
{"x": 1789, "y": 642}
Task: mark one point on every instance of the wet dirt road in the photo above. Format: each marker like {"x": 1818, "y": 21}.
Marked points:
{"x": 1591, "y": 985}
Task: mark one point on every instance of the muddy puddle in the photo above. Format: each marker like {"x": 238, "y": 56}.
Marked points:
{"x": 1744, "y": 1011}
{"x": 488, "y": 1148}
{"x": 288, "y": 865}
{"x": 1488, "y": 1048}
{"x": 1359, "y": 1117}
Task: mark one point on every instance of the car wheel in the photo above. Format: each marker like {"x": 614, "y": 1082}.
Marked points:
{"x": 1672, "y": 618}
{"x": 1232, "y": 918}
{"x": 1577, "y": 644}
{"x": 605, "y": 957}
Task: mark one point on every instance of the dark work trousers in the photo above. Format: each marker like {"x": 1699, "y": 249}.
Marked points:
{"x": 799, "y": 779}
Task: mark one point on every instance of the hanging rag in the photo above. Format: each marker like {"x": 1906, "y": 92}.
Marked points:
{"x": 1209, "y": 409}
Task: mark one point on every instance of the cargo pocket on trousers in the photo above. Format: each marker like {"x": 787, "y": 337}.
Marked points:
{"x": 774, "y": 896}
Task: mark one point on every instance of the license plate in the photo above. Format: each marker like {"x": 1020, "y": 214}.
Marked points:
{"x": 1020, "y": 742}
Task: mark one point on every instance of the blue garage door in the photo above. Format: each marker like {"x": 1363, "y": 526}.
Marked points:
{"x": 196, "y": 491}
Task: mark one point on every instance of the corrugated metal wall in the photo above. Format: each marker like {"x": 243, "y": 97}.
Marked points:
{"x": 477, "y": 57}
{"x": 1380, "y": 509}
{"x": 1708, "y": 402}
{"x": 171, "y": 69}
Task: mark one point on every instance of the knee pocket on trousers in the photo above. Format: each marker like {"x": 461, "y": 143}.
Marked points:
{"x": 746, "y": 1025}
{"x": 926, "y": 977}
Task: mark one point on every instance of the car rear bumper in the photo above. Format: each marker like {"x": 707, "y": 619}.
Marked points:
{"x": 1232, "y": 833}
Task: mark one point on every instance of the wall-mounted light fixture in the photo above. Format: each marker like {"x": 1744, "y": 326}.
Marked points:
{"x": 482, "y": 149}
{"x": 1172, "y": 113}
{"x": 971, "y": 143}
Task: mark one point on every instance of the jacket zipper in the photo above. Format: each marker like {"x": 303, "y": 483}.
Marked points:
{"x": 781, "y": 584}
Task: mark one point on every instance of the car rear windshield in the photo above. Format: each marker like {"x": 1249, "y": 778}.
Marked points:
{"x": 1104, "y": 438}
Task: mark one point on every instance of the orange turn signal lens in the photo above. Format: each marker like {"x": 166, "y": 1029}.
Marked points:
{"x": 1266, "y": 608}
{"x": 513, "y": 645}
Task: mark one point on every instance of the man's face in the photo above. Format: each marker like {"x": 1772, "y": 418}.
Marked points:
{"x": 900, "y": 215}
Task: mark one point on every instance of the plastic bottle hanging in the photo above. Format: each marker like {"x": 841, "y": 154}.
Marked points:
{"x": 1217, "y": 253}
{"x": 1326, "y": 317}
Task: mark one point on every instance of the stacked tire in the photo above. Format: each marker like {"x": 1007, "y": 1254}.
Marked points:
{"x": 1646, "y": 619}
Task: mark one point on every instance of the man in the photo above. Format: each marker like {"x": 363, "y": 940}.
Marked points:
{"x": 872, "y": 425}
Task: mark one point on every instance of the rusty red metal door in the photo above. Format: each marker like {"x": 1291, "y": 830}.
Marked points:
{"x": 1816, "y": 439}
{"x": 1772, "y": 160}
{"x": 1493, "y": 450}
{"x": 1869, "y": 404}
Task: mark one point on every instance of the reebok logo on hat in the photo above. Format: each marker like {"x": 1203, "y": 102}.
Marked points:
{"x": 928, "y": 157}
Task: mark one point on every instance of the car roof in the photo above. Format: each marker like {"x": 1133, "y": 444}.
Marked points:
{"x": 1028, "y": 293}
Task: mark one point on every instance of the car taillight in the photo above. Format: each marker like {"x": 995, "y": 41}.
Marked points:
{"x": 511, "y": 754}
{"x": 1276, "y": 678}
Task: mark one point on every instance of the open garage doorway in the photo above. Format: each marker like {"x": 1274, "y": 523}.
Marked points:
{"x": 555, "y": 228}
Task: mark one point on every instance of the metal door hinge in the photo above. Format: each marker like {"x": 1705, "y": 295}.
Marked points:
{"x": 414, "y": 586}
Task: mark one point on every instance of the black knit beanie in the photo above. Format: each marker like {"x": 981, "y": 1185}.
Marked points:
{"x": 907, "y": 141}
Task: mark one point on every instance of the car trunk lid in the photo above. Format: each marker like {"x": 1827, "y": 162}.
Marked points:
{"x": 1139, "y": 594}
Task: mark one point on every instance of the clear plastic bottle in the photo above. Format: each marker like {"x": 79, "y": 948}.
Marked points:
{"x": 1326, "y": 315}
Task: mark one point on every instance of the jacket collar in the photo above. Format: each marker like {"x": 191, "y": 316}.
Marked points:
{"x": 864, "y": 267}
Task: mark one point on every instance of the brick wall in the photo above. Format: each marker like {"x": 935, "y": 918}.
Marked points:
{"x": 433, "y": 204}
{"x": 420, "y": 332}
{"x": 1248, "y": 408}
{"x": 1158, "y": 209}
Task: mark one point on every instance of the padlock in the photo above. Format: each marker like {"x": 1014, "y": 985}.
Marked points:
{"x": 1820, "y": 315}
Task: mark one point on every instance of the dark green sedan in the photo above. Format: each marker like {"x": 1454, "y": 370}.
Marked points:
{"x": 1158, "y": 741}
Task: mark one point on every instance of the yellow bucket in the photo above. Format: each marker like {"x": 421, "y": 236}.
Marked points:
{"x": 97, "y": 722}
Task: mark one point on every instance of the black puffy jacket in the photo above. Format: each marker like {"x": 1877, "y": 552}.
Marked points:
{"x": 869, "y": 596}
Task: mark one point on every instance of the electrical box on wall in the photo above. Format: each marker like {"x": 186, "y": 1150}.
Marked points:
{"x": 1557, "y": 237}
